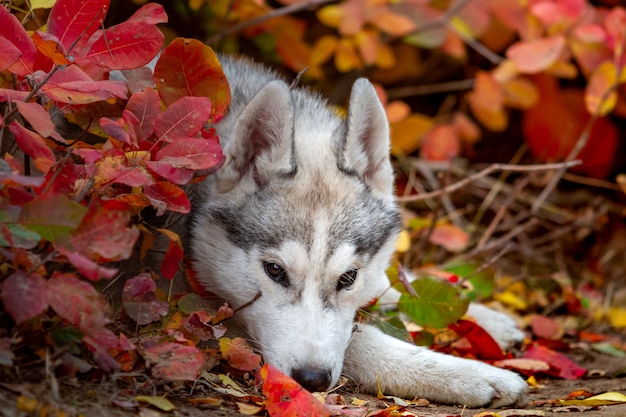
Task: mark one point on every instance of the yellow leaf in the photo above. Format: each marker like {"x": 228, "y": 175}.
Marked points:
{"x": 608, "y": 398}
{"x": 404, "y": 242}
{"x": 330, "y": 15}
{"x": 323, "y": 49}
{"x": 520, "y": 93}
{"x": 346, "y": 58}
{"x": 600, "y": 94}
{"x": 248, "y": 409}
{"x": 161, "y": 403}
{"x": 42, "y": 4}
{"x": 511, "y": 300}
{"x": 617, "y": 317}
{"x": 385, "y": 58}
{"x": 406, "y": 134}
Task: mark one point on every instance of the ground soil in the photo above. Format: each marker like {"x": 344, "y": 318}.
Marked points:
{"x": 53, "y": 397}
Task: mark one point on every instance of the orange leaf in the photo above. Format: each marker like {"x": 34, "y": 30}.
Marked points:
{"x": 535, "y": 56}
{"x": 406, "y": 134}
{"x": 286, "y": 398}
{"x": 441, "y": 143}
{"x": 393, "y": 24}
{"x": 487, "y": 100}
{"x": 323, "y": 49}
{"x": 520, "y": 93}
{"x": 367, "y": 43}
{"x": 239, "y": 354}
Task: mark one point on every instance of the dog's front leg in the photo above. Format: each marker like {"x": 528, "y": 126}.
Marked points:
{"x": 409, "y": 371}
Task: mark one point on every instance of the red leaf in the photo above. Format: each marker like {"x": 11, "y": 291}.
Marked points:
{"x": 187, "y": 67}
{"x": 77, "y": 302}
{"x": 199, "y": 324}
{"x": 100, "y": 342}
{"x": 39, "y": 119}
{"x": 9, "y": 54}
{"x": 74, "y": 20}
{"x": 174, "y": 362}
{"x": 126, "y": 46}
{"x": 86, "y": 267}
{"x": 176, "y": 175}
{"x": 483, "y": 345}
{"x": 560, "y": 365}
{"x": 13, "y": 31}
{"x": 140, "y": 302}
{"x": 183, "y": 119}
{"x": 116, "y": 129}
{"x": 34, "y": 146}
{"x": 105, "y": 233}
{"x": 191, "y": 153}
{"x": 173, "y": 256}
{"x": 546, "y": 328}
{"x": 152, "y": 13}
{"x": 285, "y": 397}
{"x": 24, "y": 296}
{"x": 146, "y": 106}
{"x": 167, "y": 196}
{"x": 73, "y": 85}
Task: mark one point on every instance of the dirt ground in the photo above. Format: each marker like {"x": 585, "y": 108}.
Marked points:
{"x": 69, "y": 398}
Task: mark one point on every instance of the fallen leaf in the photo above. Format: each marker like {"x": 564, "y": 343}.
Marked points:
{"x": 608, "y": 398}
{"x": 284, "y": 397}
{"x": 161, "y": 403}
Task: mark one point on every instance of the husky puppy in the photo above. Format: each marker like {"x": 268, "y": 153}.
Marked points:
{"x": 298, "y": 226}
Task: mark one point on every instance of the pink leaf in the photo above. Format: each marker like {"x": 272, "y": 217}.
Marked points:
{"x": 39, "y": 119}
{"x": 191, "y": 153}
{"x": 152, "y": 13}
{"x": 441, "y": 143}
{"x": 74, "y": 20}
{"x": 86, "y": 267}
{"x": 560, "y": 365}
{"x": 24, "y": 296}
{"x": 146, "y": 106}
{"x": 140, "y": 302}
{"x": 169, "y": 196}
{"x": 77, "y": 302}
{"x": 183, "y": 119}
{"x": 13, "y": 32}
{"x": 126, "y": 46}
{"x": 534, "y": 56}
{"x": 174, "y": 362}
{"x": 174, "y": 174}
{"x": 34, "y": 146}
{"x": 9, "y": 54}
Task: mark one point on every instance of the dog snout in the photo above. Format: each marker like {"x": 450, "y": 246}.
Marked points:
{"x": 314, "y": 380}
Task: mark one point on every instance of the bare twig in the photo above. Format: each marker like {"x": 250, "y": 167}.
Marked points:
{"x": 293, "y": 8}
{"x": 487, "y": 171}
{"x": 501, "y": 211}
{"x": 424, "y": 90}
{"x": 505, "y": 238}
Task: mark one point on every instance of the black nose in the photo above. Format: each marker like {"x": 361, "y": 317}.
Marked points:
{"x": 314, "y": 380}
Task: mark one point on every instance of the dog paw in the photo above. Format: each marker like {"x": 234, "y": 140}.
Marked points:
{"x": 498, "y": 388}
{"x": 500, "y": 327}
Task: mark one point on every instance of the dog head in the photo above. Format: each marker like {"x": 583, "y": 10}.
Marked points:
{"x": 303, "y": 214}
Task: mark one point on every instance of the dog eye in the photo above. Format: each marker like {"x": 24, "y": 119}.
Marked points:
{"x": 346, "y": 279}
{"x": 276, "y": 272}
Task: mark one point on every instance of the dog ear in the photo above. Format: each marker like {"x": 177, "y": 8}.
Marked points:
{"x": 365, "y": 142}
{"x": 261, "y": 141}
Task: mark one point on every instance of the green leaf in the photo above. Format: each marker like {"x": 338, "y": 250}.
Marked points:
{"x": 483, "y": 282}
{"x": 438, "y": 303}
{"x": 52, "y": 216}
{"x": 18, "y": 235}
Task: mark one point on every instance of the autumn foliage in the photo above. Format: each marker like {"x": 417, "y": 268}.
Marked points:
{"x": 102, "y": 128}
